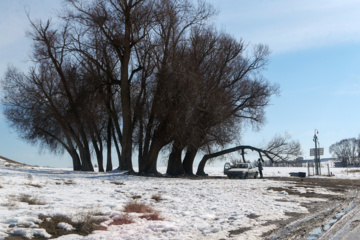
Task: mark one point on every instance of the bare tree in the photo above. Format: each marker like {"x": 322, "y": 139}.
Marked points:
{"x": 346, "y": 150}
{"x": 167, "y": 103}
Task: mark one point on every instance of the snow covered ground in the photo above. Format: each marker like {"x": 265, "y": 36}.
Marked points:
{"x": 190, "y": 209}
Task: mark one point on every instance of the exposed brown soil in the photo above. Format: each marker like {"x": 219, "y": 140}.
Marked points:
{"x": 298, "y": 225}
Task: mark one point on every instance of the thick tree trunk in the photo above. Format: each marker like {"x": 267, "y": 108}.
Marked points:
{"x": 76, "y": 160}
{"x": 188, "y": 162}
{"x": 86, "y": 161}
{"x": 201, "y": 167}
{"x": 149, "y": 164}
{"x": 175, "y": 167}
{"x": 126, "y": 97}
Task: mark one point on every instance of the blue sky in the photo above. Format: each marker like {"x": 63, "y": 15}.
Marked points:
{"x": 315, "y": 59}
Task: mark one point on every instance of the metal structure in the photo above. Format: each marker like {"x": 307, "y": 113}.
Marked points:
{"x": 316, "y": 153}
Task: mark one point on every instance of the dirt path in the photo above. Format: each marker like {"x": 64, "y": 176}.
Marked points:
{"x": 323, "y": 215}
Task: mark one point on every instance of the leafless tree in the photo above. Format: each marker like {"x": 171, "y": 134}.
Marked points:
{"x": 140, "y": 73}
{"x": 346, "y": 150}
{"x": 167, "y": 104}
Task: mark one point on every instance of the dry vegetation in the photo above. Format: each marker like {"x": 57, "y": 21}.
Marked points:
{"x": 137, "y": 207}
{"x": 147, "y": 211}
{"x": 353, "y": 171}
{"x": 33, "y": 185}
{"x": 122, "y": 219}
{"x": 31, "y": 200}
{"x": 157, "y": 197}
{"x": 83, "y": 226}
{"x": 11, "y": 201}
{"x": 136, "y": 197}
{"x": 69, "y": 182}
{"x": 117, "y": 183}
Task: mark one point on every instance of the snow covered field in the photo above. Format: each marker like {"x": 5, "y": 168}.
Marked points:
{"x": 190, "y": 209}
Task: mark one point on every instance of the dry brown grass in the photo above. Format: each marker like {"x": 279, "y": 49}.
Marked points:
{"x": 1, "y": 186}
{"x": 157, "y": 197}
{"x": 354, "y": 171}
{"x": 117, "y": 183}
{"x": 33, "y": 185}
{"x": 122, "y": 219}
{"x": 154, "y": 216}
{"x": 11, "y": 201}
{"x": 84, "y": 225}
{"x": 137, "y": 207}
{"x": 31, "y": 200}
{"x": 69, "y": 182}
{"x": 148, "y": 212}
{"x": 136, "y": 197}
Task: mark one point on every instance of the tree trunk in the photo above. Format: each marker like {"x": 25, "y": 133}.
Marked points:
{"x": 149, "y": 164}
{"x": 201, "y": 167}
{"x": 126, "y": 96}
{"x": 109, "y": 166}
{"x": 175, "y": 167}
{"x": 99, "y": 158}
{"x": 76, "y": 160}
{"x": 117, "y": 147}
{"x": 188, "y": 162}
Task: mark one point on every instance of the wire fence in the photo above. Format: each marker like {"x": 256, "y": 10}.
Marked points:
{"x": 323, "y": 170}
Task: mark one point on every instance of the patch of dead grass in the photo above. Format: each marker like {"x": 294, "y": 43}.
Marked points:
{"x": 31, "y": 200}
{"x": 157, "y": 197}
{"x": 33, "y": 185}
{"x": 83, "y": 224}
{"x": 154, "y": 216}
{"x": 69, "y": 182}
{"x": 122, "y": 219}
{"x": 137, "y": 207}
{"x": 136, "y": 197}
{"x": 117, "y": 183}
{"x": 148, "y": 212}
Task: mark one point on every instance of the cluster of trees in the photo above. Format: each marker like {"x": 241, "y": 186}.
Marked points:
{"x": 144, "y": 75}
{"x": 347, "y": 151}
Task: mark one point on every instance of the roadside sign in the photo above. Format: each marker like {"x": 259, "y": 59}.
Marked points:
{"x": 320, "y": 151}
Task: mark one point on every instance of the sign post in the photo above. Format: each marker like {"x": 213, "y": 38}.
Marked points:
{"x": 316, "y": 152}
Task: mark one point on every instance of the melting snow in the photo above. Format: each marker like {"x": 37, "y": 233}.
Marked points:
{"x": 191, "y": 209}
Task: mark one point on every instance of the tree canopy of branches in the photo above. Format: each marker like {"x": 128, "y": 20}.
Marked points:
{"x": 137, "y": 74}
{"x": 346, "y": 150}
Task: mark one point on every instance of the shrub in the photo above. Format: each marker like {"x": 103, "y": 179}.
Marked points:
{"x": 137, "y": 207}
